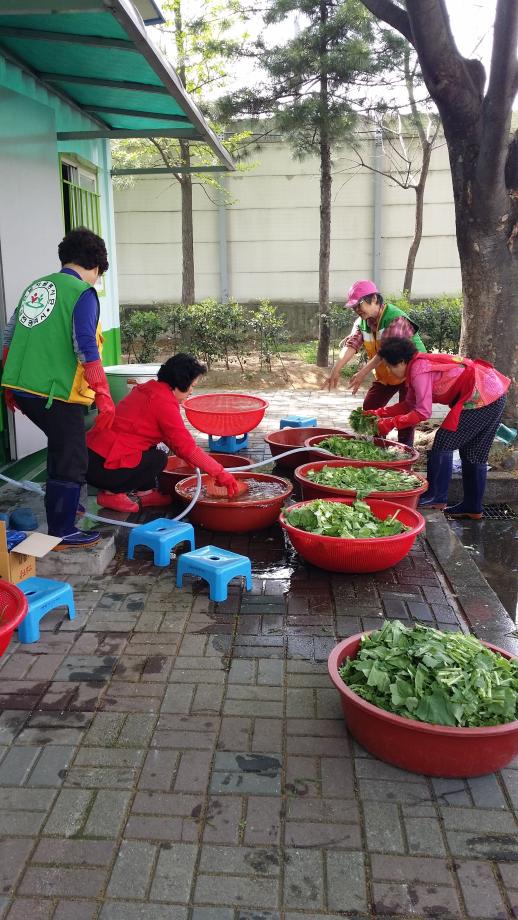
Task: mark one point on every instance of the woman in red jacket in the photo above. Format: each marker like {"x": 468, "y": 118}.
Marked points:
{"x": 125, "y": 458}
{"x": 474, "y": 391}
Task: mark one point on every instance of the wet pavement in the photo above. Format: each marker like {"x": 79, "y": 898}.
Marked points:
{"x": 493, "y": 545}
{"x": 166, "y": 758}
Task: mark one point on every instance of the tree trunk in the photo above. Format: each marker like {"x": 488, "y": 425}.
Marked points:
{"x": 324, "y": 332}
{"x": 418, "y": 225}
{"x": 188, "y": 289}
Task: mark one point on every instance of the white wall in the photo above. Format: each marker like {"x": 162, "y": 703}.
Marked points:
{"x": 273, "y": 233}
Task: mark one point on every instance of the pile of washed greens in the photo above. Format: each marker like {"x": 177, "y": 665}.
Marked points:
{"x": 334, "y": 519}
{"x": 363, "y": 424}
{"x": 442, "y": 678}
{"x": 359, "y": 450}
{"x": 364, "y": 479}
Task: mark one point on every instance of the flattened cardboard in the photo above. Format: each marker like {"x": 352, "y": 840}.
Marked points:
{"x": 37, "y": 544}
{"x": 20, "y": 563}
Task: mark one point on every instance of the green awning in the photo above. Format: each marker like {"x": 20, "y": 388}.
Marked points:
{"x": 96, "y": 53}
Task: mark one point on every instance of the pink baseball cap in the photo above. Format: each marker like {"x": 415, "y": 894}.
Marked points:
{"x": 359, "y": 290}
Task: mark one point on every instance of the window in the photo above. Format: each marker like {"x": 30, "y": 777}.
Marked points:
{"x": 81, "y": 201}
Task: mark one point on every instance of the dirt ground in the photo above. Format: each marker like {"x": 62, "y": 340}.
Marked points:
{"x": 287, "y": 371}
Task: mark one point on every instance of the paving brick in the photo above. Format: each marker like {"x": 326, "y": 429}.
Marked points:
{"x": 126, "y": 910}
{"x": 387, "y": 791}
{"x": 410, "y": 869}
{"x": 208, "y": 699}
{"x": 159, "y": 770}
{"x": 13, "y": 855}
{"x": 174, "y": 873}
{"x": 424, "y": 837}
{"x": 223, "y": 823}
{"x": 237, "y": 891}
{"x": 270, "y": 671}
{"x": 215, "y": 913}
{"x": 480, "y": 891}
{"x": 23, "y": 908}
{"x": 17, "y": 764}
{"x": 131, "y": 875}
{"x": 20, "y": 823}
{"x": 51, "y": 768}
{"x": 267, "y": 733}
{"x": 193, "y": 771}
{"x": 303, "y": 879}
{"x": 478, "y": 821}
{"x": 86, "y": 667}
{"x": 383, "y": 827}
{"x": 69, "y": 812}
{"x": 183, "y": 732}
{"x": 59, "y": 882}
{"x": 451, "y": 792}
{"x": 337, "y": 777}
{"x": 486, "y": 792}
{"x": 67, "y": 852}
{"x": 146, "y": 827}
{"x": 263, "y": 821}
{"x": 503, "y": 846}
{"x": 107, "y": 814}
{"x": 346, "y": 885}
{"x": 240, "y": 860}
{"x": 178, "y": 698}
{"x": 11, "y": 723}
{"x": 76, "y": 910}
{"x": 235, "y": 733}
{"x": 246, "y": 774}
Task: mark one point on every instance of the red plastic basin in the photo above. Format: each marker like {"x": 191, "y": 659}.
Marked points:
{"x": 225, "y": 413}
{"x": 310, "y": 489}
{"x": 236, "y": 515}
{"x": 177, "y": 469}
{"x": 435, "y": 750}
{"x": 13, "y": 607}
{"x": 337, "y": 554}
{"x": 288, "y": 438}
{"x": 406, "y": 463}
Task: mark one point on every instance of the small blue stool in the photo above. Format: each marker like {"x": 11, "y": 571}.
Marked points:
{"x": 43, "y": 595}
{"x": 217, "y": 566}
{"x": 228, "y": 444}
{"x": 298, "y": 421}
{"x": 160, "y": 536}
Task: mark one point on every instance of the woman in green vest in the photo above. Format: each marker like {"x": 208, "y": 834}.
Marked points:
{"x": 52, "y": 371}
{"x": 376, "y": 321}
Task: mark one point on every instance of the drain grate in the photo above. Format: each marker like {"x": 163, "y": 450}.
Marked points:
{"x": 499, "y": 513}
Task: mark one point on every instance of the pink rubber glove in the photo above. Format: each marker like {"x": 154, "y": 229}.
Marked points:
{"x": 385, "y": 425}
{"x": 96, "y": 380}
{"x": 228, "y": 481}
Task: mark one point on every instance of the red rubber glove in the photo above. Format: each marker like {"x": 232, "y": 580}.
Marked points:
{"x": 96, "y": 380}
{"x": 379, "y": 413}
{"x": 384, "y": 426}
{"x": 228, "y": 481}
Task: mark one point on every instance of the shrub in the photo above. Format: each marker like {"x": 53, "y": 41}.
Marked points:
{"x": 439, "y": 320}
{"x": 270, "y": 332}
{"x": 140, "y": 330}
{"x": 214, "y": 331}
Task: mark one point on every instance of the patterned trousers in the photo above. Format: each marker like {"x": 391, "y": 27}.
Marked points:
{"x": 475, "y": 433}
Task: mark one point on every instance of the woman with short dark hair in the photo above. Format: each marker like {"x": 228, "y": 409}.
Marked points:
{"x": 125, "y": 459}
{"x": 474, "y": 391}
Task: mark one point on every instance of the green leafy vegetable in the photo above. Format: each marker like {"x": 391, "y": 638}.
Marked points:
{"x": 364, "y": 479}
{"x": 359, "y": 450}
{"x": 363, "y": 424}
{"x": 442, "y": 678}
{"x": 353, "y": 522}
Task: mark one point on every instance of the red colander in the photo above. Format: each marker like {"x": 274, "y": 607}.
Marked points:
{"x": 225, "y": 413}
{"x": 13, "y": 608}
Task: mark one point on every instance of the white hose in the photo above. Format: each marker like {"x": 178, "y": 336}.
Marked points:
{"x": 29, "y": 486}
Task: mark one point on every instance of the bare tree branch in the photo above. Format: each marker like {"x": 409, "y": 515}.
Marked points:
{"x": 391, "y": 14}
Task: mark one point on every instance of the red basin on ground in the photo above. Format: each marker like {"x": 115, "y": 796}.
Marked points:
{"x": 337, "y": 554}
{"x": 288, "y": 438}
{"x": 406, "y": 463}
{"x": 177, "y": 469}
{"x": 236, "y": 515}
{"x": 225, "y": 413}
{"x": 13, "y": 607}
{"x": 310, "y": 489}
{"x": 435, "y": 750}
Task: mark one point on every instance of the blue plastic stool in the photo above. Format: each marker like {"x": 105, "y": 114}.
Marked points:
{"x": 228, "y": 444}
{"x": 160, "y": 536}
{"x": 43, "y": 595}
{"x": 217, "y": 566}
{"x": 298, "y": 421}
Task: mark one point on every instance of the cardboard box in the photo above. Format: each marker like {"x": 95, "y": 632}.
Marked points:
{"x": 20, "y": 563}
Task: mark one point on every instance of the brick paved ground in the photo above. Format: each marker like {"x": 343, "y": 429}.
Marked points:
{"x": 165, "y": 758}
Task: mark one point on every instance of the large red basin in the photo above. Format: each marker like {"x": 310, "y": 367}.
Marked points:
{"x": 177, "y": 469}
{"x": 236, "y": 515}
{"x": 288, "y": 438}
{"x": 310, "y": 489}
{"x": 410, "y": 454}
{"x": 13, "y": 608}
{"x": 435, "y": 750}
{"x": 225, "y": 413}
{"x": 337, "y": 554}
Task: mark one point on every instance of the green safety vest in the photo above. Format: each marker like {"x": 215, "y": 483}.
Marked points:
{"x": 41, "y": 357}
{"x": 372, "y": 340}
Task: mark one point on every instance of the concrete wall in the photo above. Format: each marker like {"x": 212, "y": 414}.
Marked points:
{"x": 272, "y": 229}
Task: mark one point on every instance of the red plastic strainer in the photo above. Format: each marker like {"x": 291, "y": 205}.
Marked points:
{"x": 225, "y": 413}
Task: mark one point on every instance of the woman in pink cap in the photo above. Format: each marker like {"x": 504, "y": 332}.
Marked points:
{"x": 376, "y": 321}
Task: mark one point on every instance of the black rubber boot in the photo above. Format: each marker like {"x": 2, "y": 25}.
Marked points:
{"x": 438, "y": 473}
{"x": 474, "y": 477}
{"x": 61, "y": 501}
